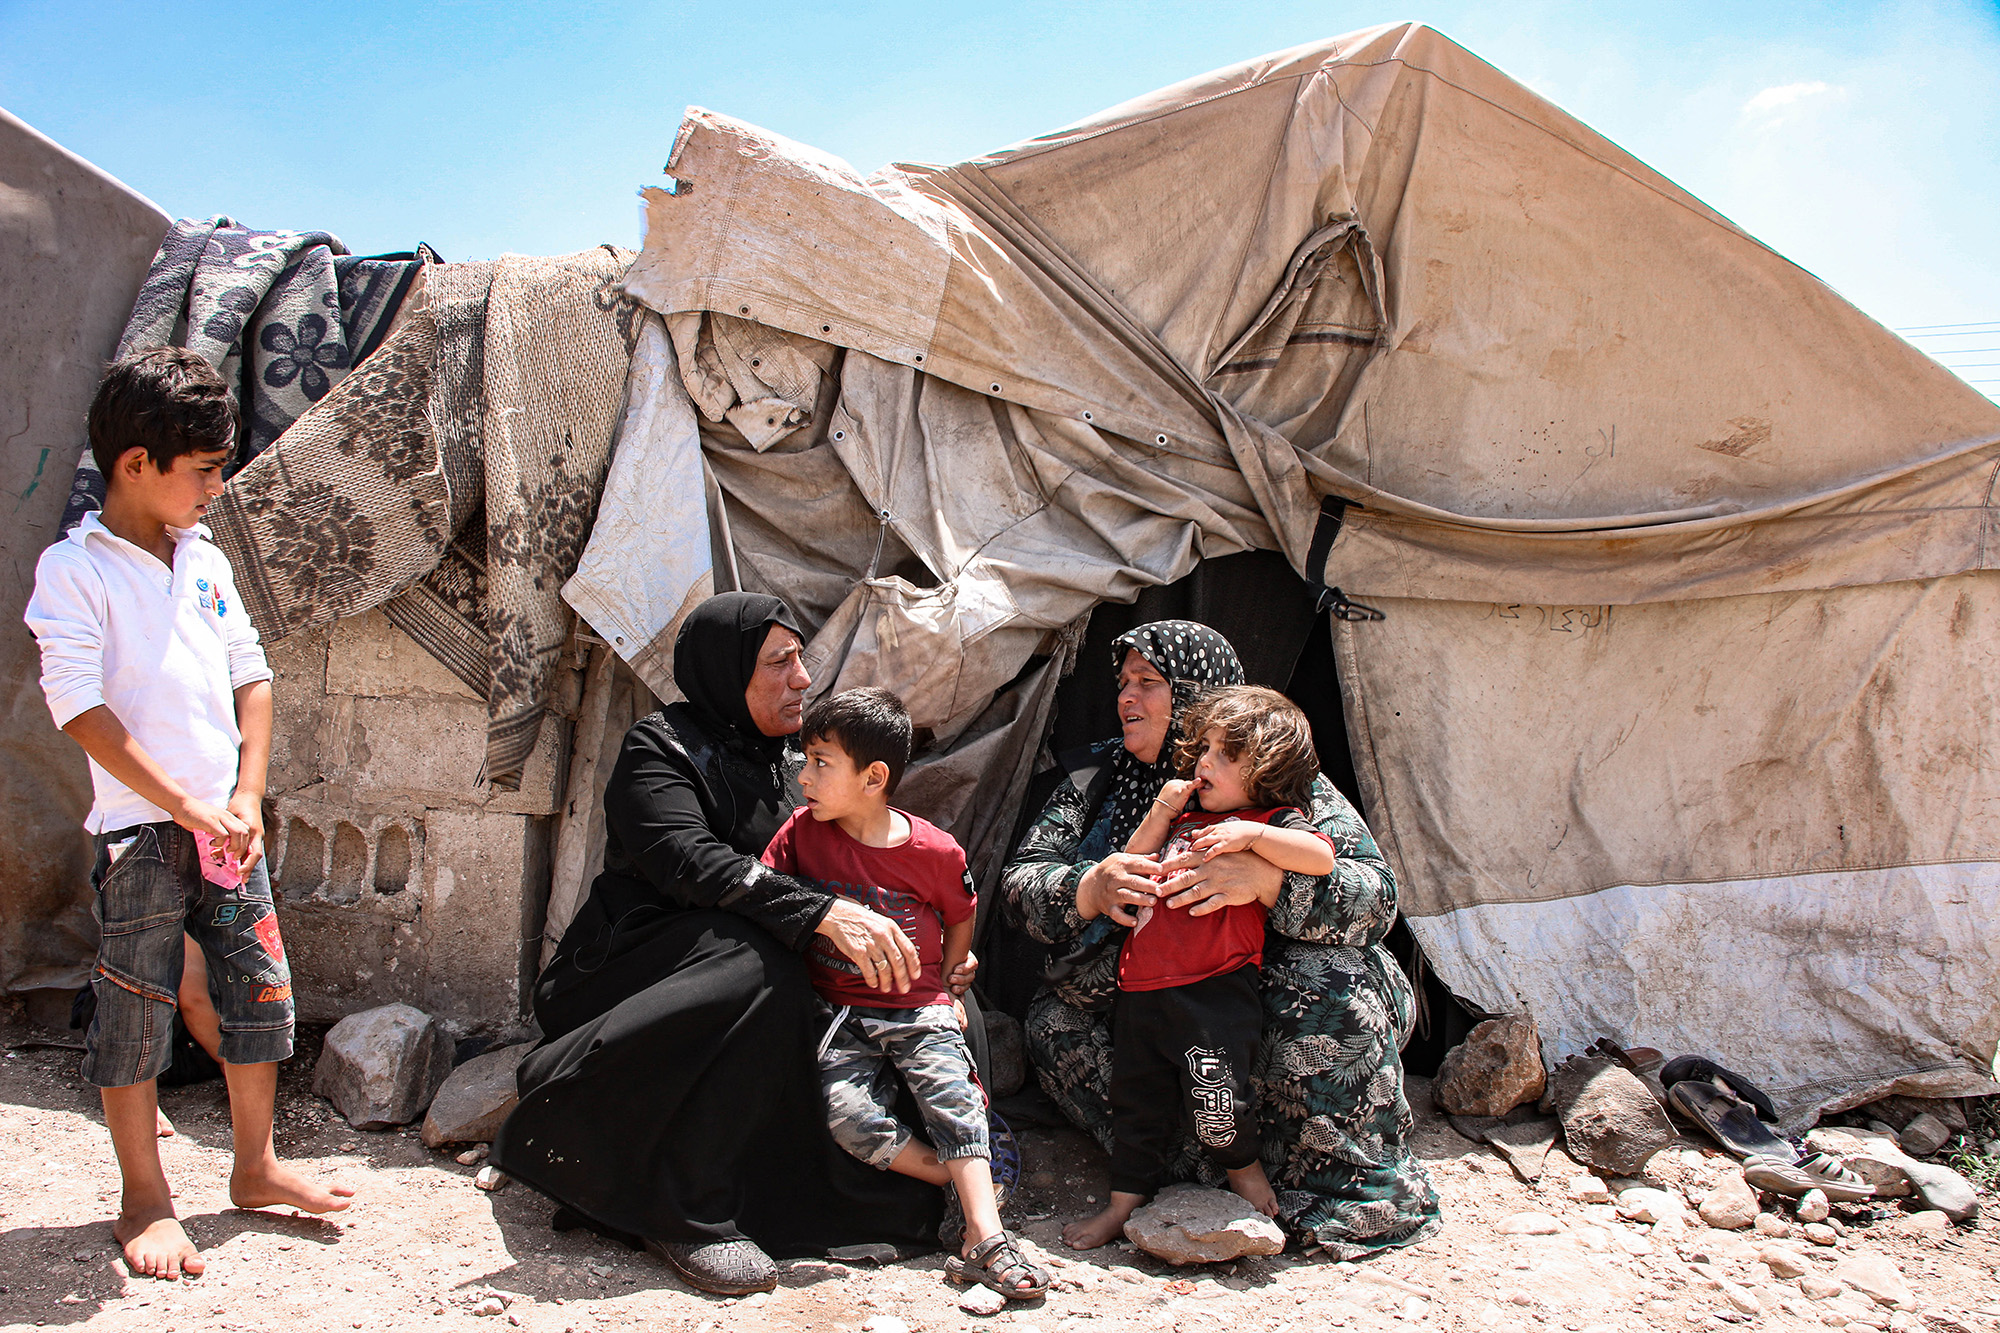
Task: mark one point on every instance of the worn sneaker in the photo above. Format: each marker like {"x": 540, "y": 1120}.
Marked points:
{"x": 719, "y": 1267}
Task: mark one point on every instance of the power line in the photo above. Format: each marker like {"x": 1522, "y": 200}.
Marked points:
{"x": 1922, "y": 328}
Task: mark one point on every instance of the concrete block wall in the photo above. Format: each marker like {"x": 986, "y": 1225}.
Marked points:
{"x": 400, "y": 874}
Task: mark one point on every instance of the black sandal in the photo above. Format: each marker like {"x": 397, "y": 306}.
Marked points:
{"x": 997, "y": 1262}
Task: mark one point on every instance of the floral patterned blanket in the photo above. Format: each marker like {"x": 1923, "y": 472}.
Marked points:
{"x": 499, "y": 397}
{"x": 284, "y": 315}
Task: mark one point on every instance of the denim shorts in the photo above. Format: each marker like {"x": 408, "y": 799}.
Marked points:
{"x": 149, "y": 893}
{"x": 858, "y": 1074}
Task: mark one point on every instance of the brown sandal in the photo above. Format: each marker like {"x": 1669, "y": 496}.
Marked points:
{"x": 997, "y": 1262}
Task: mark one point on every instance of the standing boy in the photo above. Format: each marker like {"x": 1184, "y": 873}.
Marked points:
{"x": 850, "y": 839}
{"x": 151, "y": 665}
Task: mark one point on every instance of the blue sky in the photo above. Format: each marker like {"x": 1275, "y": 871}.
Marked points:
{"x": 1862, "y": 140}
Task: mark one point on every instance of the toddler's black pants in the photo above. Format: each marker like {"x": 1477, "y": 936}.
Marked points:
{"x": 1182, "y": 1057}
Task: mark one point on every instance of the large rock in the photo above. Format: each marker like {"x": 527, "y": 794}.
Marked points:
{"x": 1783, "y": 1263}
{"x": 1006, "y": 1054}
{"x": 1897, "y": 1175}
{"x": 1900, "y": 1111}
{"x": 1872, "y": 1156}
{"x": 1924, "y": 1135}
{"x": 1643, "y": 1203}
{"x": 1610, "y": 1121}
{"x": 1522, "y": 1137}
{"x": 1731, "y": 1205}
{"x": 1495, "y": 1069}
{"x": 1878, "y": 1277}
{"x": 1943, "y": 1189}
{"x": 1191, "y": 1224}
{"x": 381, "y": 1067}
{"x": 475, "y": 1099}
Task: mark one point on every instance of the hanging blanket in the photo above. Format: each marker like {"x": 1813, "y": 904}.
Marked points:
{"x": 284, "y": 315}
{"x": 446, "y": 611}
{"x": 500, "y": 396}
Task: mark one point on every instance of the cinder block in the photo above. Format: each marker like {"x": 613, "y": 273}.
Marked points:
{"x": 485, "y": 880}
{"x": 342, "y": 856}
{"x": 431, "y": 750}
{"x": 300, "y": 714}
{"x": 344, "y": 961}
{"x": 368, "y": 655}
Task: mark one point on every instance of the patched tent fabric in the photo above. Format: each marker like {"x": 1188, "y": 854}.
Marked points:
{"x": 948, "y": 409}
{"x": 74, "y": 248}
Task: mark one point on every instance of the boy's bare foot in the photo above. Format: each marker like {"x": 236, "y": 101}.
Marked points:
{"x": 155, "y": 1245}
{"x": 274, "y": 1185}
{"x": 162, "y": 1127}
{"x": 1255, "y": 1188}
{"x": 1109, "y": 1225}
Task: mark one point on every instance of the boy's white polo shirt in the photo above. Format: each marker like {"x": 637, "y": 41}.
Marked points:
{"x": 164, "y": 649}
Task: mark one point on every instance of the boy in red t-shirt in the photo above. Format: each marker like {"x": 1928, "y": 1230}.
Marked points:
{"x": 851, "y": 840}
{"x": 1188, "y": 1016}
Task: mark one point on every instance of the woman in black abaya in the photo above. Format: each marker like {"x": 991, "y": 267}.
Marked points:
{"x": 675, "y": 1096}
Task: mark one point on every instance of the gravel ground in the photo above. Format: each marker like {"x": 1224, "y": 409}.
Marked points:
{"x": 422, "y": 1248}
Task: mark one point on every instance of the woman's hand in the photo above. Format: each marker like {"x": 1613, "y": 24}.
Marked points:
{"x": 962, "y": 976}
{"x": 877, "y": 945}
{"x": 1116, "y": 885}
{"x": 1232, "y": 879}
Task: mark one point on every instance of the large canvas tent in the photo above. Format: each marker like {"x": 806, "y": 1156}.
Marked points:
{"x": 1672, "y": 725}
{"x": 1675, "y": 724}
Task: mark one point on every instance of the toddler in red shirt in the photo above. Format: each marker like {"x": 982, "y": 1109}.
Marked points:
{"x": 853, "y": 842}
{"x": 1188, "y": 1017}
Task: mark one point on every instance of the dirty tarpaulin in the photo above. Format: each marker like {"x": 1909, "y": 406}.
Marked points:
{"x": 283, "y": 315}
{"x": 1374, "y": 268}
{"x": 364, "y": 496}
{"x": 649, "y": 563}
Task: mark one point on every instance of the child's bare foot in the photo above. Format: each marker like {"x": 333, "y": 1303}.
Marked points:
{"x": 155, "y": 1245}
{"x": 162, "y": 1127}
{"x": 1109, "y": 1225}
{"x": 1255, "y": 1188}
{"x": 274, "y": 1185}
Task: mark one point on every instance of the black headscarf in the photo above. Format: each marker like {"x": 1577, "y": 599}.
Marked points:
{"x": 1194, "y": 659}
{"x": 715, "y": 655}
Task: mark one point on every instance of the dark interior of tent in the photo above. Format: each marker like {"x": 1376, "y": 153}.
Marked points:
{"x": 1272, "y": 617}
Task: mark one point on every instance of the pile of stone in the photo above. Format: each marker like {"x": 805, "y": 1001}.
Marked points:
{"x": 387, "y": 1066}
{"x": 1496, "y": 1090}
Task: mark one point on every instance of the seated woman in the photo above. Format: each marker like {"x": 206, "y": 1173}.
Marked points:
{"x": 1328, "y": 1079}
{"x": 675, "y": 1098}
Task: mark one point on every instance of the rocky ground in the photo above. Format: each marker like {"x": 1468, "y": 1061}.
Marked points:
{"x": 424, "y": 1249}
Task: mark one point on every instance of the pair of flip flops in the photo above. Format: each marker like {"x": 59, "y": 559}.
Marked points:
{"x": 1713, "y": 1100}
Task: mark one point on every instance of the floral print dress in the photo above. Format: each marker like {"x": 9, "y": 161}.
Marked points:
{"x": 1329, "y": 1073}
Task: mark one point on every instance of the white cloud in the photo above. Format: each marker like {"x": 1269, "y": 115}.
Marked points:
{"x": 1776, "y": 104}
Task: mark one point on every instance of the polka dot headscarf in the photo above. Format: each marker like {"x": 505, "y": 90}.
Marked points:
{"x": 1194, "y": 659}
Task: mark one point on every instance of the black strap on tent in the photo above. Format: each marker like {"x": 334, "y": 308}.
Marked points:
{"x": 1332, "y": 510}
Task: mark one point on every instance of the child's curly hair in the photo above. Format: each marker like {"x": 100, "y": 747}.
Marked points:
{"x": 1265, "y": 725}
